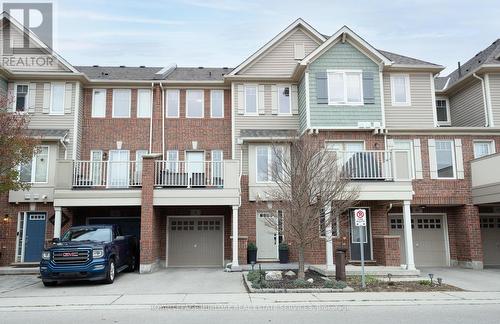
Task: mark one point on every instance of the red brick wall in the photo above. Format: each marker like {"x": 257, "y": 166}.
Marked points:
{"x": 386, "y": 250}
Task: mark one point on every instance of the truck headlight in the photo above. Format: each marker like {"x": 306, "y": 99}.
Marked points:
{"x": 98, "y": 253}
{"x": 46, "y": 255}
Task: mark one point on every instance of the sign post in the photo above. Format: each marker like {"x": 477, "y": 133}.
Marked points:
{"x": 360, "y": 222}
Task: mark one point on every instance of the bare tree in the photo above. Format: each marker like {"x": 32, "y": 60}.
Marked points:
{"x": 16, "y": 146}
{"x": 311, "y": 188}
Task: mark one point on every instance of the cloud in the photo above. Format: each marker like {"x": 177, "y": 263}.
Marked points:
{"x": 97, "y": 16}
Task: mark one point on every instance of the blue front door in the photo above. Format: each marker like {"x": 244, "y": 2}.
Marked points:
{"x": 35, "y": 236}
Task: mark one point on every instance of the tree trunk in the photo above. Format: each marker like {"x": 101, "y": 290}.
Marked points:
{"x": 301, "y": 274}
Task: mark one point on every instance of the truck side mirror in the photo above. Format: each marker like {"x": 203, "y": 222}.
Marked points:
{"x": 55, "y": 240}
{"x": 119, "y": 238}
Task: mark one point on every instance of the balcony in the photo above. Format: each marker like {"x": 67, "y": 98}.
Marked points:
{"x": 486, "y": 179}
{"x": 378, "y": 175}
{"x": 183, "y": 174}
{"x": 107, "y": 174}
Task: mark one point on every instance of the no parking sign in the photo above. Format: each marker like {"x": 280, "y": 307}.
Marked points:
{"x": 360, "y": 217}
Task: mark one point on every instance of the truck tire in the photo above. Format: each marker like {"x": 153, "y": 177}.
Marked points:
{"x": 111, "y": 273}
{"x": 49, "y": 283}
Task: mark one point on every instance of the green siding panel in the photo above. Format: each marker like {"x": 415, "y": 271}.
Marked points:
{"x": 343, "y": 56}
{"x": 302, "y": 105}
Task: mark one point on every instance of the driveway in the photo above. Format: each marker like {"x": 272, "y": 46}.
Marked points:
{"x": 169, "y": 281}
{"x": 468, "y": 279}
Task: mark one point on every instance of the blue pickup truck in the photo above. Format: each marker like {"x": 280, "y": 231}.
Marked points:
{"x": 92, "y": 252}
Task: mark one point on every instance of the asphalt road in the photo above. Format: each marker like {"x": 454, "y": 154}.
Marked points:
{"x": 352, "y": 314}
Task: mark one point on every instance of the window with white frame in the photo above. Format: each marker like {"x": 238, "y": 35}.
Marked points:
{"x": 173, "y": 160}
{"x": 408, "y": 146}
{"x": 345, "y": 87}
{"x": 144, "y": 103}
{"x": 37, "y": 170}
{"x": 445, "y": 159}
{"x": 400, "y": 89}
{"x": 22, "y": 97}
{"x": 194, "y": 104}
{"x": 443, "y": 112}
{"x": 217, "y": 160}
{"x": 322, "y": 223}
{"x": 99, "y": 103}
{"x": 217, "y": 103}
{"x": 250, "y": 99}
{"x": 57, "y": 98}
{"x": 269, "y": 162}
{"x": 121, "y": 103}
{"x": 172, "y": 103}
{"x": 284, "y": 100}
{"x": 483, "y": 148}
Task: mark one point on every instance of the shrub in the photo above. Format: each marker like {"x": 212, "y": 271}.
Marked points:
{"x": 425, "y": 283}
{"x": 329, "y": 284}
{"x": 339, "y": 285}
{"x": 259, "y": 284}
{"x": 255, "y": 275}
{"x": 251, "y": 247}
{"x": 371, "y": 280}
{"x": 283, "y": 246}
{"x": 300, "y": 283}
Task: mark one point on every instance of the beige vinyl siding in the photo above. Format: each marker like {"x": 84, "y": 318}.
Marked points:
{"x": 420, "y": 113}
{"x": 495, "y": 98}
{"x": 279, "y": 60}
{"x": 467, "y": 106}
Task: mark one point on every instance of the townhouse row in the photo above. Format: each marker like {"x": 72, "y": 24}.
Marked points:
{"x": 181, "y": 157}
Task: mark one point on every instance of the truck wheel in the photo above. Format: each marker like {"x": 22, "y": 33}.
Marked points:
{"x": 111, "y": 273}
{"x": 49, "y": 283}
{"x": 131, "y": 265}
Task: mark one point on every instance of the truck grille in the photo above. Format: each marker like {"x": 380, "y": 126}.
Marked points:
{"x": 71, "y": 256}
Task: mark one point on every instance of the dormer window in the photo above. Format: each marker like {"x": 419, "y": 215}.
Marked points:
{"x": 443, "y": 112}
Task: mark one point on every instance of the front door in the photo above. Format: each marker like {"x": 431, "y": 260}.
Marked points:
{"x": 196, "y": 167}
{"x": 267, "y": 245}
{"x": 35, "y": 236}
{"x": 118, "y": 175}
{"x": 355, "y": 239}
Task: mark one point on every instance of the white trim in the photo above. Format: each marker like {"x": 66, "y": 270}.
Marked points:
{"x": 167, "y": 91}
{"x": 212, "y": 103}
{"x": 412, "y": 153}
{"x": 93, "y": 115}
{"x": 289, "y": 86}
{"x": 334, "y": 38}
{"x": 442, "y": 123}
{"x": 129, "y": 102}
{"x": 269, "y": 163}
{"x": 382, "y": 97}
{"x": 148, "y": 102}
{"x": 51, "y": 107}
{"x": 453, "y": 152}
{"x": 277, "y": 38}
{"x": 337, "y": 229}
{"x": 344, "y": 74}
{"x": 188, "y": 91}
{"x": 76, "y": 121}
{"x": 487, "y": 87}
{"x": 223, "y": 230}
{"x": 308, "y": 104}
{"x": 434, "y": 108}
{"x": 491, "y": 143}
{"x": 23, "y": 246}
{"x": 233, "y": 126}
{"x": 245, "y": 86}
{"x": 407, "y": 102}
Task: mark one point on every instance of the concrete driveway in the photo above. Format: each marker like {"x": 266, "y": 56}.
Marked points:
{"x": 468, "y": 279}
{"x": 169, "y": 281}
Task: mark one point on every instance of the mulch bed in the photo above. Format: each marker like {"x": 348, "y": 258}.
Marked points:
{"x": 374, "y": 285}
{"x": 288, "y": 282}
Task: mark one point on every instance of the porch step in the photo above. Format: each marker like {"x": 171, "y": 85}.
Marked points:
{"x": 367, "y": 263}
{"x": 378, "y": 271}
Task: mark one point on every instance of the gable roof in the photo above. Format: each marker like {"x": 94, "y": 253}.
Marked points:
{"x": 405, "y": 60}
{"x": 119, "y": 73}
{"x": 299, "y": 22}
{"x": 489, "y": 56}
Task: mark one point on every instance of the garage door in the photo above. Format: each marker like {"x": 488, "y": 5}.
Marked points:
{"x": 490, "y": 235}
{"x": 429, "y": 245}
{"x": 195, "y": 242}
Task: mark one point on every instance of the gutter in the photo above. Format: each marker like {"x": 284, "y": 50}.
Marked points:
{"x": 486, "y": 114}
{"x": 62, "y": 140}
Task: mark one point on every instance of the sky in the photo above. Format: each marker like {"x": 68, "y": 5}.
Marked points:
{"x": 216, "y": 33}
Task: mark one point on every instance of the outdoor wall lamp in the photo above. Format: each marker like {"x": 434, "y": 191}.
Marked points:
{"x": 6, "y": 218}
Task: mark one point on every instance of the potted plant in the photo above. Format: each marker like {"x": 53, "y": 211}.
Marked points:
{"x": 283, "y": 252}
{"x": 251, "y": 253}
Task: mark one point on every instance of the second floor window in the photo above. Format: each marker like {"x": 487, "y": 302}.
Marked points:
{"x": 99, "y": 103}
{"x": 37, "y": 170}
{"x": 483, "y": 148}
{"x": 57, "y": 99}
{"x": 445, "y": 159}
{"x": 121, "y": 103}
{"x": 143, "y": 103}
{"x": 251, "y": 100}
{"x": 400, "y": 90}
{"x": 172, "y": 103}
{"x": 22, "y": 97}
{"x": 345, "y": 88}
{"x": 194, "y": 104}
{"x": 442, "y": 112}
{"x": 284, "y": 102}
{"x": 217, "y": 103}
{"x": 269, "y": 162}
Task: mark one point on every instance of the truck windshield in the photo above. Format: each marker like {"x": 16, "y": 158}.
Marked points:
{"x": 88, "y": 234}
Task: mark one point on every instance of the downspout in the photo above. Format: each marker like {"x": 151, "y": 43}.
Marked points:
{"x": 162, "y": 101}
{"x": 64, "y": 145}
{"x": 151, "y": 118}
{"x": 486, "y": 114}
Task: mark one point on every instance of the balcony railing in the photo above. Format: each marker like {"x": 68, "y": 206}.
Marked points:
{"x": 107, "y": 174}
{"x": 185, "y": 174}
{"x": 366, "y": 165}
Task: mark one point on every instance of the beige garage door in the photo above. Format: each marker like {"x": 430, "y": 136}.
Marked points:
{"x": 429, "y": 246}
{"x": 195, "y": 242}
{"x": 490, "y": 235}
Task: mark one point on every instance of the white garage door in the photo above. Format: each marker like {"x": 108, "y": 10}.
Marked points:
{"x": 490, "y": 235}
{"x": 429, "y": 244}
{"x": 195, "y": 242}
